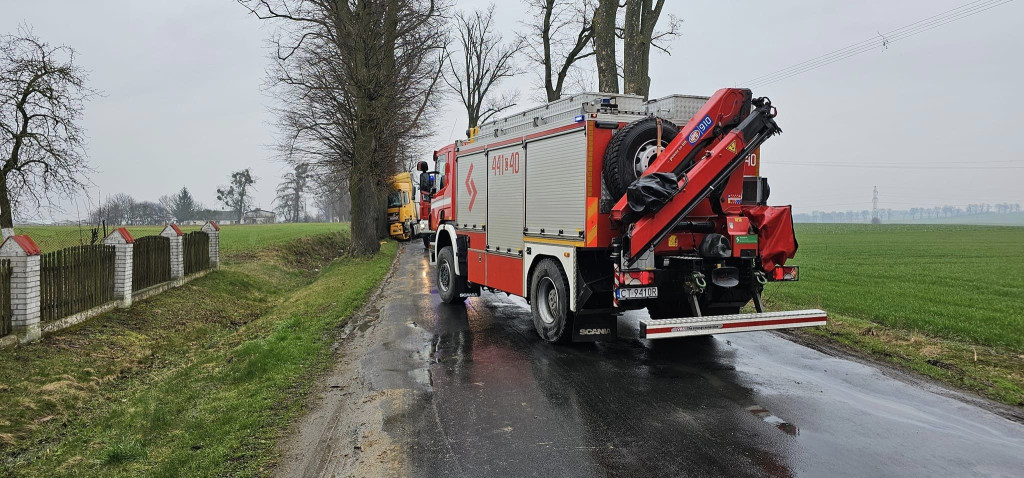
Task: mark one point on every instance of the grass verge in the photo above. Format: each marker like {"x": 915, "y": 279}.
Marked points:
{"x": 991, "y": 372}
{"x": 944, "y": 301}
{"x": 198, "y": 381}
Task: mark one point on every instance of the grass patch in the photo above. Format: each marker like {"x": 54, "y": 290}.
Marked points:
{"x": 928, "y": 297}
{"x": 234, "y": 239}
{"x": 198, "y": 381}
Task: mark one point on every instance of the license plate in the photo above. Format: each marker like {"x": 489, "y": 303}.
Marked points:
{"x": 637, "y": 293}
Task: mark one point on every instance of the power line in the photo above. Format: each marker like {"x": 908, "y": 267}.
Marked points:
{"x": 868, "y": 166}
{"x": 883, "y": 40}
{"x": 984, "y": 162}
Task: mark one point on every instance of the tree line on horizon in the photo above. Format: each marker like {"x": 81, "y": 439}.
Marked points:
{"x": 911, "y": 214}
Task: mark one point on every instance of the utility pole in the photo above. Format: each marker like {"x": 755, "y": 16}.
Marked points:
{"x": 874, "y": 208}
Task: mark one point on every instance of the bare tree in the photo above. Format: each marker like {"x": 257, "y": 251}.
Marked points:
{"x": 486, "y": 61}
{"x": 182, "y": 206}
{"x": 330, "y": 195}
{"x": 559, "y": 39}
{"x": 639, "y": 35}
{"x": 117, "y": 210}
{"x": 150, "y": 213}
{"x": 42, "y": 96}
{"x": 605, "y": 16}
{"x": 291, "y": 193}
{"x": 237, "y": 194}
{"x": 358, "y": 78}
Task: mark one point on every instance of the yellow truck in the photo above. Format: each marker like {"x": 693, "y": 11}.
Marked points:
{"x": 402, "y": 210}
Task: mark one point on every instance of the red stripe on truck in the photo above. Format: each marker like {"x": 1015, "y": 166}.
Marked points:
{"x": 754, "y": 323}
{"x": 774, "y": 322}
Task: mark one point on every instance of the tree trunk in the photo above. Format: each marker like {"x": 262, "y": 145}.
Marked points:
{"x": 364, "y": 221}
{"x": 381, "y": 198}
{"x": 6, "y": 216}
{"x": 604, "y": 45}
{"x": 641, "y": 18}
{"x": 631, "y": 61}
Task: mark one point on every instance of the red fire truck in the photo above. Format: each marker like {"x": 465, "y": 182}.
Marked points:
{"x": 596, "y": 204}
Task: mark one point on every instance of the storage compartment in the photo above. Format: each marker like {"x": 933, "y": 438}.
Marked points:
{"x": 471, "y": 191}
{"x": 556, "y": 181}
{"x": 505, "y": 206}
{"x": 677, "y": 108}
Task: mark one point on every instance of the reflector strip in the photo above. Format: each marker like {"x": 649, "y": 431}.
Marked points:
{"x": 721, "y": 324}
{"x": 753, "y": 323}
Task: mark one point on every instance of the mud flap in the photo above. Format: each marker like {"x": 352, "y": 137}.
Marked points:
{"x": 472, "y": 290}
{"x": 594, "y": 327}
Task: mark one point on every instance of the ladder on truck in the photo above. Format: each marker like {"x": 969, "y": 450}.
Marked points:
{"x": 702, "y": 157}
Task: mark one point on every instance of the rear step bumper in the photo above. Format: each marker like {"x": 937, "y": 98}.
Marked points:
{"x": 724, "y": 324}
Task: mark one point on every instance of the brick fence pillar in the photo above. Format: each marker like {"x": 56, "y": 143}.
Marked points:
{"x": 24, "y": 256}
{"x": 124, "y": 248}
{"x": 173, "y": 233}
{"x": 213, "y": 230}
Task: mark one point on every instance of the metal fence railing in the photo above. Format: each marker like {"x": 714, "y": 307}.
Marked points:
{"x": 151, "y": 261}
{"x": 5, "y": 297}
{"x": 196, "y": 251}
{"x": 75, "y": 279}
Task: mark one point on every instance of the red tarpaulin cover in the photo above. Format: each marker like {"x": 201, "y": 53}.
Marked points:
{"x": 775, "y": 230}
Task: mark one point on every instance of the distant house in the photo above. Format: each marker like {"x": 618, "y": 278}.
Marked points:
{"x": 259, "y": 216}
{"x": 220, "y": 217}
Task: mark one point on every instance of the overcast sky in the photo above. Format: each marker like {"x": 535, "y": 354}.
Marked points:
{"x": 934, "y": 117}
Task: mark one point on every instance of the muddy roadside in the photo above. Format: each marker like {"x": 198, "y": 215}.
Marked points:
{"x": 341, "y": 433}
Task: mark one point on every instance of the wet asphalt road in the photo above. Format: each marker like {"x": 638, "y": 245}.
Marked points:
{"x": 491, "y": 399}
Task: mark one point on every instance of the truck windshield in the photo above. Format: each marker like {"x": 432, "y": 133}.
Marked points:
{"x": 395, "y": 199}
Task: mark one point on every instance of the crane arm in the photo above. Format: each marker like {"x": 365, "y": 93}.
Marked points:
{"x": 709, "y": 171}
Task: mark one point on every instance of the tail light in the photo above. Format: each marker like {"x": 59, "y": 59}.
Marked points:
{"x": 635, "y": 278}
{"x": 786, "y": 273}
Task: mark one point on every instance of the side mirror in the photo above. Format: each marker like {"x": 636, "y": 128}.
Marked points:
{"x": 428, "y": 182}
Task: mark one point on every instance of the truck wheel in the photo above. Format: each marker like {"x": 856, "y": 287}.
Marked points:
{"x": 549, "y": 300}
{"x": 450, "y": 286}
{"x": 632, "y": 150}
{"x": 426, "y": 241}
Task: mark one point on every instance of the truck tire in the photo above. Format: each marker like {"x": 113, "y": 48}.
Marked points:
{"x": 549, "y": 301}
{"x": 631, "y": 150}
{"x": 426, "y": 241}
{"x": 450, "y": 286}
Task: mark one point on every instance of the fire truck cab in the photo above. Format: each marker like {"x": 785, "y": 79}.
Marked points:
{"x": 600, "y": 203}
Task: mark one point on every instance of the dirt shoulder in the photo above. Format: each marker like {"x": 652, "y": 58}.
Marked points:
{"x": 373, "y": 381}
{"x": 342, "y": 418}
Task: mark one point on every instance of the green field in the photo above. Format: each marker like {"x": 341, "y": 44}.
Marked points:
{"x": 958, "y": 282}
{"x": 233, "y": 239}
{"x": 946, "y": 301}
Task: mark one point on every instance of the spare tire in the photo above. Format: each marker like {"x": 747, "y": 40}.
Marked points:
{"x": 631, "y": 151}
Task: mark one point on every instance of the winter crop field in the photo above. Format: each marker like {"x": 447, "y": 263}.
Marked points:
{"x": 950, "y": 281}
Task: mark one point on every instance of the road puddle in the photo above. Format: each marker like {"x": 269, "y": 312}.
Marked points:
{"x": 763, "y": 413}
